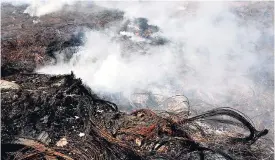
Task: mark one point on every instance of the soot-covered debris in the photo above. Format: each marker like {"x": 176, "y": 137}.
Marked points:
{"x": 57, "y": 117}
{"x": 29, "y": 42}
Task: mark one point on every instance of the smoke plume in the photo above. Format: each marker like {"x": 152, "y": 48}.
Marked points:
{"x": 216, "y": 54}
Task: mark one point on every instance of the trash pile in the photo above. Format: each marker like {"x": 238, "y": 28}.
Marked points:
{"x": 30, "y": 42}
{"x": 57, "y": 117}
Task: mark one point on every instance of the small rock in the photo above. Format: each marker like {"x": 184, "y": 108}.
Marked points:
{"x": 6, "y": 85}
{"x": 62, "y": 142}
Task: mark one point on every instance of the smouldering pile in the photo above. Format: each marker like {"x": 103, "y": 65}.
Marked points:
{"x": 59, "y": 118}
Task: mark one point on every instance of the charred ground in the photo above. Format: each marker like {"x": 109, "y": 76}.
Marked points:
{"x": 49, "y": 109}
{"x": 58, "y": 117}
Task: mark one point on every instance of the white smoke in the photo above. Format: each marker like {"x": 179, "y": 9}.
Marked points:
{"x": 101, "y": 65}
{"x": 39, "y": 8}
{"x": 210, "y": 55}
{"x": 206, "y": 37}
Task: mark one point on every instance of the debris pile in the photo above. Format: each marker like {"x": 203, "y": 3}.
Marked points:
{"x": 29, "y": 42}
{"x": 57, "y": 117}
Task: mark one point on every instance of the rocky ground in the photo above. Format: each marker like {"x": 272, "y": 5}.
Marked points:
{"x": 57, "y": 117}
